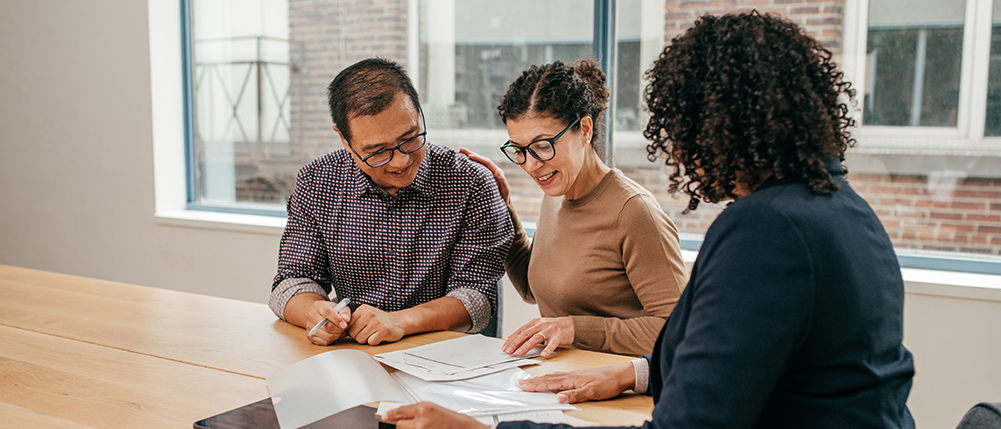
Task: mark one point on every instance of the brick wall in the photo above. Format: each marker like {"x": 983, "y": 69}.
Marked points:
{"x": 325, "y": 36}
{"x": 822, "y": 19}
{"x": 961, "y": 215}
{"x": 918, "y": 212}
{"x": 954, "y": 215}
{"x": 331, "y": 35}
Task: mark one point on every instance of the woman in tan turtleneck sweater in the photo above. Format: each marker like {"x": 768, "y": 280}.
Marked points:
{"x": 605, "y": 263}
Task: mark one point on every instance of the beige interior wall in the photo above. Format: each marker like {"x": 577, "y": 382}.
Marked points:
{"x": 956, "y": 343}
{"x": 76, "y": 158}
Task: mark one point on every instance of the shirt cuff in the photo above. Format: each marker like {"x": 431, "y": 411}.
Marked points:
{"x": 641, "y": 367}
{"x": 292, "y": 287}
{"x": 477, "y": 305}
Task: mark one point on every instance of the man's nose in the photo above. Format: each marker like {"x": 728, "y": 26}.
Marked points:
{"x": 400, "y": 160}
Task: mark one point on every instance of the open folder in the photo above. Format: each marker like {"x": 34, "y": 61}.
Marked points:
{"x": 325, "y": 384}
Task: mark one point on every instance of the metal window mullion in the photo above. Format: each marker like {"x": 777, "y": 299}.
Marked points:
{"x": 917, "y": 94}
{"x": 981, "y": 52}
{"x": 187, "y": 62}
{"x": 605, "y": 50}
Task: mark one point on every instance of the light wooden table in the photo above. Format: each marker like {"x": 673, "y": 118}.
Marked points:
{"x": 77, "y": 352}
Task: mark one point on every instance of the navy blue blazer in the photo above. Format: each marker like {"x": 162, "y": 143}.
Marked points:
{"x": 792, "y": 318}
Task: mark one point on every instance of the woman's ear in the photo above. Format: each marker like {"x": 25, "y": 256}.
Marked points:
{"x": 587, "y": 128}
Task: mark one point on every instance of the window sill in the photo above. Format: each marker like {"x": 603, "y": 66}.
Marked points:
{"x": 952, "y": 284}
{"x": 917, "y": 281}
{"x": 216, "y": 221}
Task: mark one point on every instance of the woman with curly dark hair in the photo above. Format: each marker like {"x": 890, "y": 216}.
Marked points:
{"x": 792, "y": 317}
{"x": 605, "y": 264}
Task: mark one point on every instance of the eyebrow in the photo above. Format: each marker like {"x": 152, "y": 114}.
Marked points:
{"x": 412, "y": 132}
{"x": 536, "y": 139}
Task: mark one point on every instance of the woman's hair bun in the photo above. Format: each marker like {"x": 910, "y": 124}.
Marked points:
{"x": 591, "y": 74}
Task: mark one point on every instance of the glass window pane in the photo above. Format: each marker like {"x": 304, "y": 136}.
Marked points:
{"x": 240, "y": 91}
{"x": 471, "y": 50}
{"x": 992, "y": 127}
{"x": 641, "y": 26}
{"x": 944, "y": 201}
{"x": 913, "y": 62}
{"x": 261, "y": 67}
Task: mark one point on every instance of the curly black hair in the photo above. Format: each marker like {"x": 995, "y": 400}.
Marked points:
{"x": 746, "y": 93}
{"x": 564, "y": 92}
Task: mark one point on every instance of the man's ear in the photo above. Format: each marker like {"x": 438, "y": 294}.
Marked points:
{"x": 344, "y": 141}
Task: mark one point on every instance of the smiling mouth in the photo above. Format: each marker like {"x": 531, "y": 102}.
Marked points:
{"x": 400, "y": 172}
{"x": 546, "y": 177}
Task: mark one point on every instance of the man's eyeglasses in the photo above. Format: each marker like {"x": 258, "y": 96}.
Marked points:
{"x": 383, "y": 156}
{"x": 541, "y": 149}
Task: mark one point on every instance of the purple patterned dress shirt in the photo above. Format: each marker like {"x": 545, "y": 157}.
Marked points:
{"x": 446, "y": 234}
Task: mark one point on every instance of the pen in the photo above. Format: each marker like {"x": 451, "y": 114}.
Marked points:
{"x": 337, "y": 308}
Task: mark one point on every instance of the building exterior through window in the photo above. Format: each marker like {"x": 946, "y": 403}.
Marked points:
{"x": 927, "y": 75}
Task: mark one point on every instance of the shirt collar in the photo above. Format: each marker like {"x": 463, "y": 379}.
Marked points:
{"x": 362, "y": 185}
{"x": 833, "y": 166}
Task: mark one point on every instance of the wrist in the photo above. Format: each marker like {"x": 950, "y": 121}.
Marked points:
{"x": 626, "y": 376}
{"x": 298, "y": 307}
{"x": 568, "y": 326}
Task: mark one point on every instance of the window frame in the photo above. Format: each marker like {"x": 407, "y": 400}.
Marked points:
{"x": 919, "y": 140}
{"x": 968, "y": 135}
{"x": 967, "y": 138}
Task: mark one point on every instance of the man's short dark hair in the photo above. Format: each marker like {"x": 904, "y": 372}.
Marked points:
{"x": 367, "y": 88}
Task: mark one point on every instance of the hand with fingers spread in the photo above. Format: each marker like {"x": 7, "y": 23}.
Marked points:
{"x": 502, "y": 186}
{"x": 584, "y": 385}
{"x": 426, "y": 415}
{"x": 336, "y": 326}
{"x": 372, "y": 326}
{"x": 551, "y": 331}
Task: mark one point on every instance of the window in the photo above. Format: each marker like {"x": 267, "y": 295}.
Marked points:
{"x": 240, "y": 119}
{"x": 928, "y": 159}
{"x": 927, "y": 72}
{"x": 913, "y": 63}
{"x": 992, "y": 124}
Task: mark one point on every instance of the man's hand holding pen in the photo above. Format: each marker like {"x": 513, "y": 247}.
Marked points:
{"x": 367, "y": 324}
{"x": 330, "y": 322}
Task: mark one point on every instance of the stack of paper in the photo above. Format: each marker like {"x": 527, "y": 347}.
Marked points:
{"x": 328, "y": 383}
{"x": 457, "y": 359}
{"x": 487, "y": 395}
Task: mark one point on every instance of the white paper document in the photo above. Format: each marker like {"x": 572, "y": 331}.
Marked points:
{"x": 550, "y": 416}
{"x": 331, "y": 382}
{"x": 497, "y": 393}
{"x": 456, "y": 359}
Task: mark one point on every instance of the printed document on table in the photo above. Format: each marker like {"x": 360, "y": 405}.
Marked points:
{"x": 497, "y": 393}
{"x": 328, "y": 383}
{"x": 456, "y": 359}
{"x": 473, "y": 351}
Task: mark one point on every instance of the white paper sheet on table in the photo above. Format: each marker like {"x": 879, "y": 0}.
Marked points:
{"x": 456, "y": 359}
{"x": 331, "y": 382}
{"x": 539, "y": 416}
{"x": 497, "y": 393}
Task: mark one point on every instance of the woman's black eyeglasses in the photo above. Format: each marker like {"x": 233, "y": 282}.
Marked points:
{"x": 541, "y": 149}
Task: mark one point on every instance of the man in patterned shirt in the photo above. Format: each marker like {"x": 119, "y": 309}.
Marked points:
{"x": 413, "y": 232}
